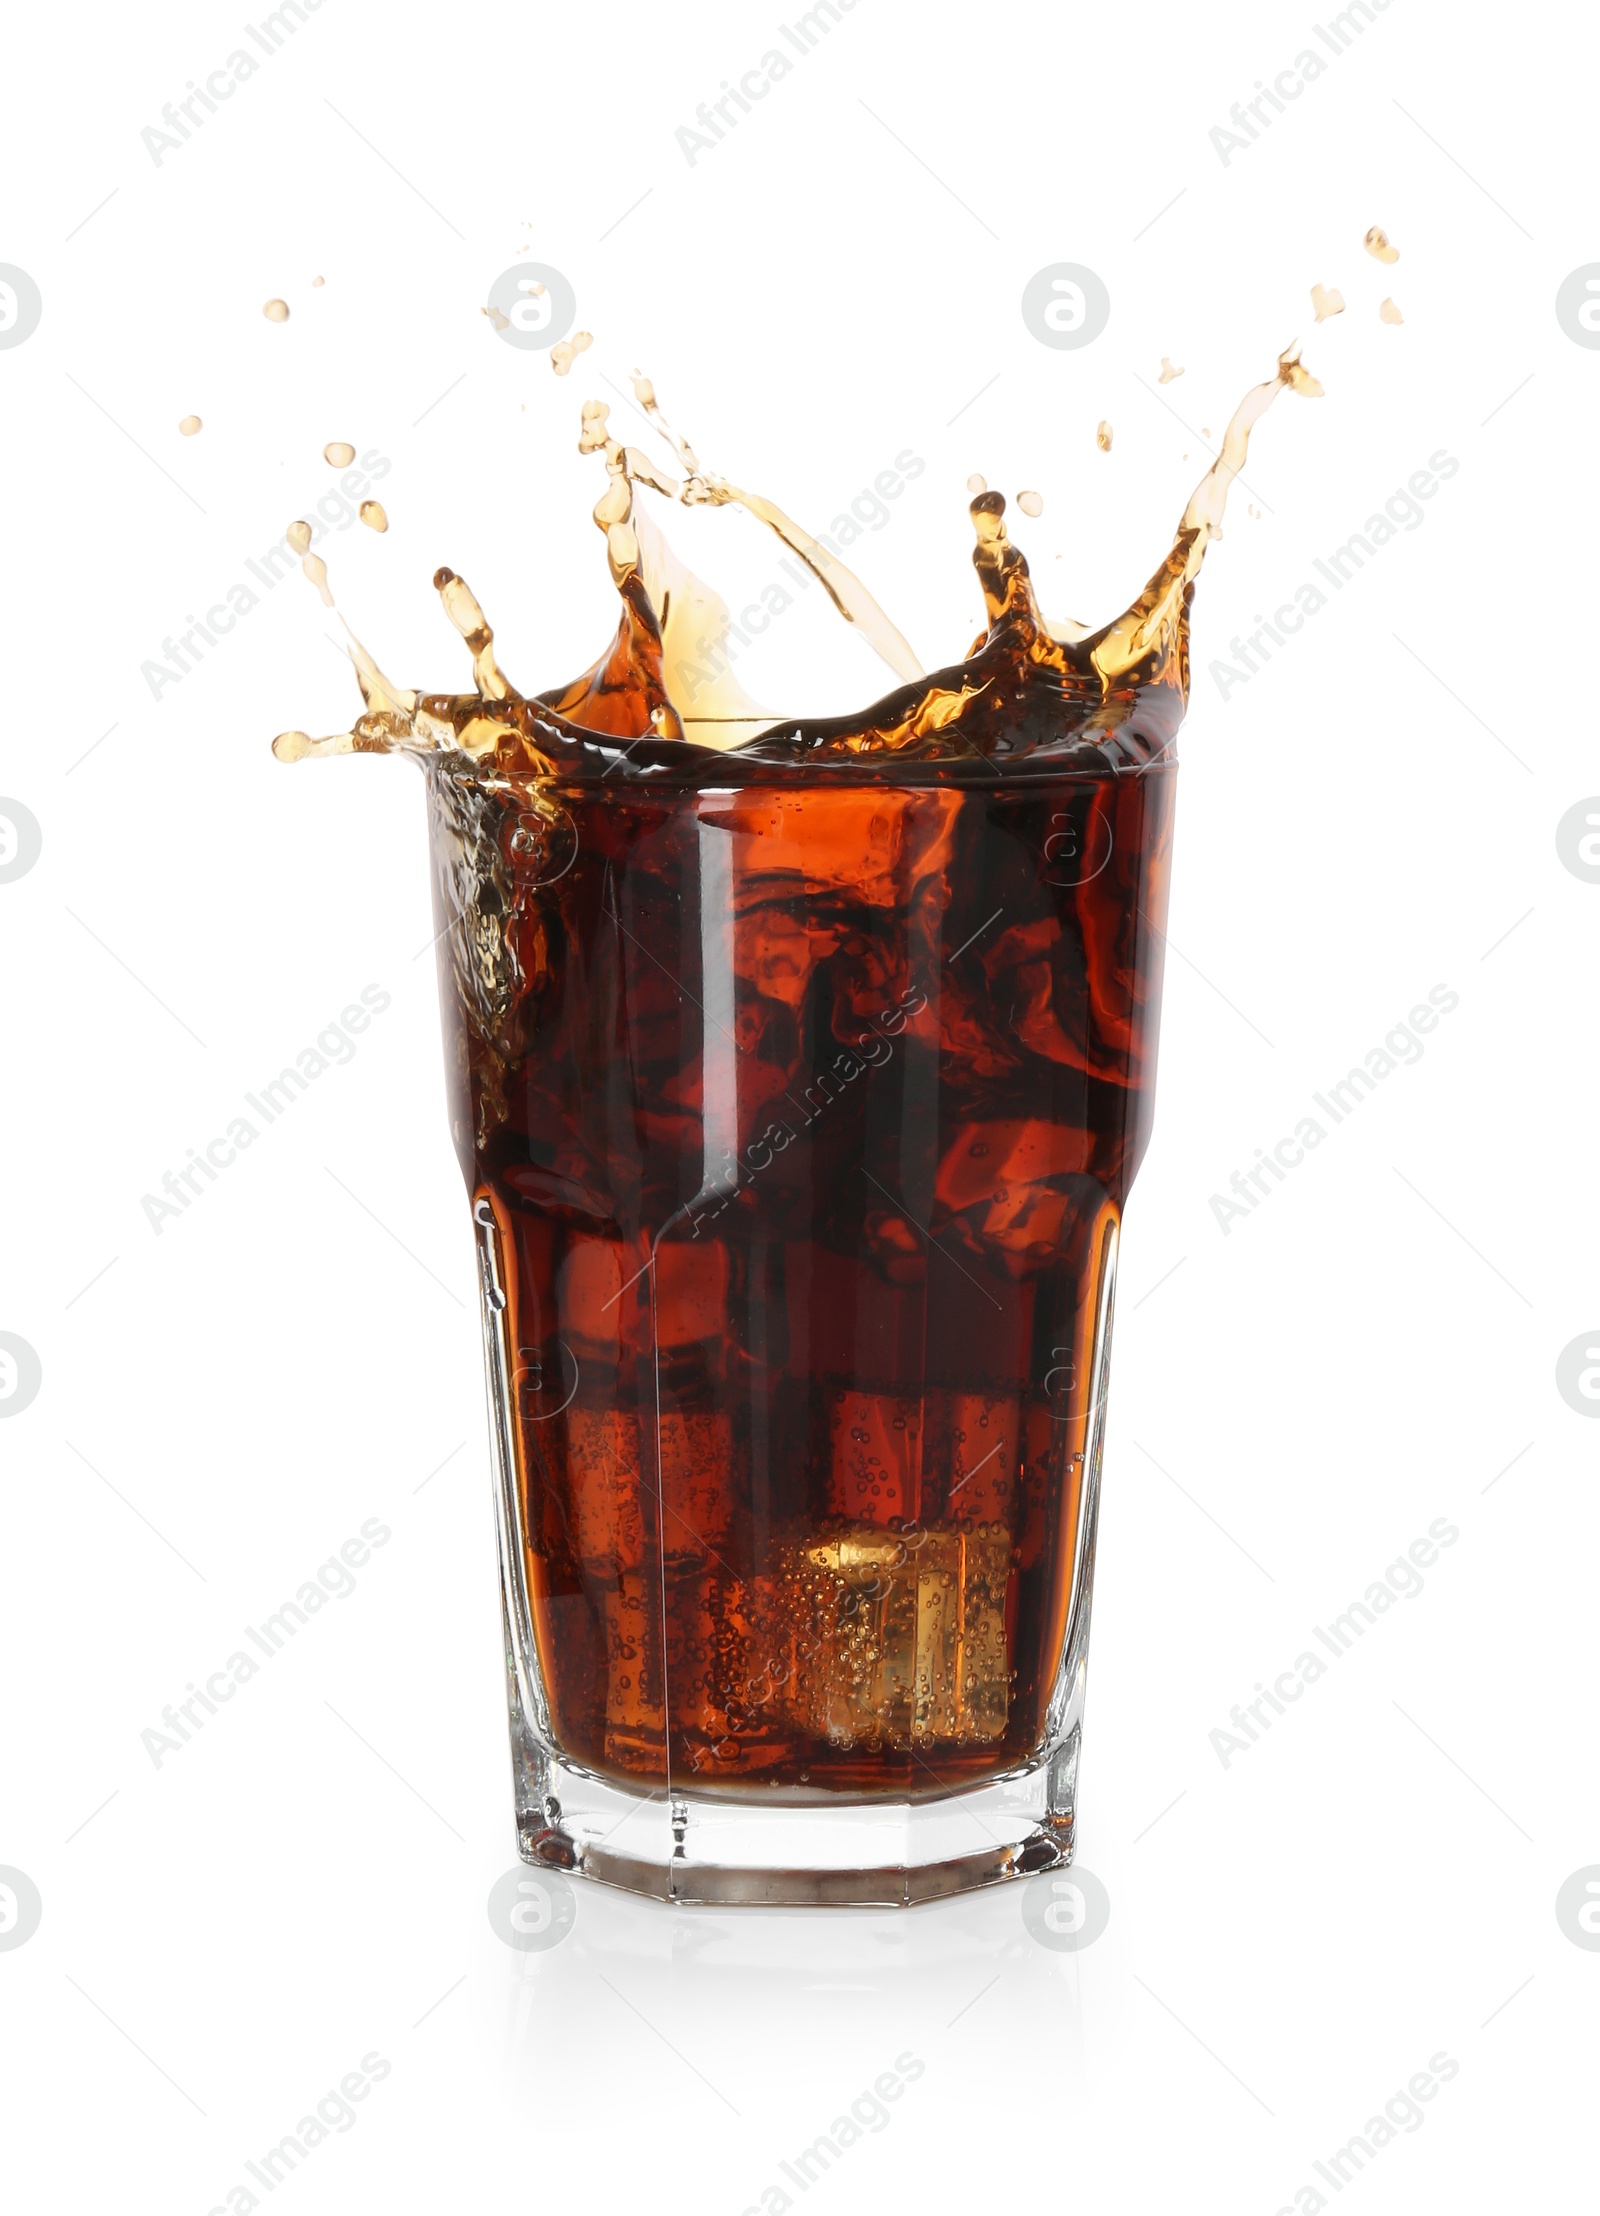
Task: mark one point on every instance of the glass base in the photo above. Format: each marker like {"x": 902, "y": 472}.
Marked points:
{"x": 807, "y": 1852}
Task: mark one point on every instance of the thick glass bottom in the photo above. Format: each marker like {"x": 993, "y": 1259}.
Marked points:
{"x": 799, "y": 1850}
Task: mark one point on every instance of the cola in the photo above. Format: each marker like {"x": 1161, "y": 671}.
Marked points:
{"x": 800, "y": 1190}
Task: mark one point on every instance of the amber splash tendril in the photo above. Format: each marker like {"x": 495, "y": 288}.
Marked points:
{"x": 1130, "y": 677}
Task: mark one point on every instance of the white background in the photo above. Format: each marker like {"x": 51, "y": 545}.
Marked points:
{"x": 1292, "y": 1936}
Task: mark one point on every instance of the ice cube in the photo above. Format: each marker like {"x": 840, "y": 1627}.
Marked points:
{"x": 697, "y": 1483}
{"x": 607, "y": 1520}
{"x": 634, "y": 1720}
{"x": 721, "y": 1713}
{"x": 972, "y": 1448}
{"x": 874, "y": 1455}
{"x": 902, "y": 1636}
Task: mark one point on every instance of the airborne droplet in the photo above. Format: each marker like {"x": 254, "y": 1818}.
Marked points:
{"x": 1389, "y": 312}
{"x": 338, "y": 454}
{"x": 189, "y": 426}
{"x": 566, "y": 351}
{"x": 1102, "y": 437}
{"x": 276, "y": 311}
{"x": 1377, "y": 245}
{"x": 1326, "y": 300}
{"x": 373, "y": 516}
{"x": 1031, "y": 503}
{"x": 299, "y": 536}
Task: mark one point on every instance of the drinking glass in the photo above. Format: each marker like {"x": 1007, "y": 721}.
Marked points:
{"x": 798, "y": 1107}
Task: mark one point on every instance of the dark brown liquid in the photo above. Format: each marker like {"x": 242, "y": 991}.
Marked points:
{"x": 802, "y": 1181}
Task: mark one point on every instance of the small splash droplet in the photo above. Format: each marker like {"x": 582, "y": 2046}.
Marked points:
{"x": 1169, "y": 370}
{"x": 1031, "y": 503}
{"x": 977, "y": 484}
{"x": 276, "y": 311}
{"x": 1389, "y": 312}
{"x": 299, "y": 537}
{"x": 316, "y": 569}
{"x": 338, "y": 453}
{"x": 189, "y": 426}
{"x": 566, "y": 351}
{"x": 1102, "y": 436}
{"x": 315, "y": 283}
{"x": 373, "y": 516}
{"x": 1326, "y": 300}
{"x": 1377, "y": 245}
{"x": 1253, "y": 510}
{"x": 1205, "y": 430}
